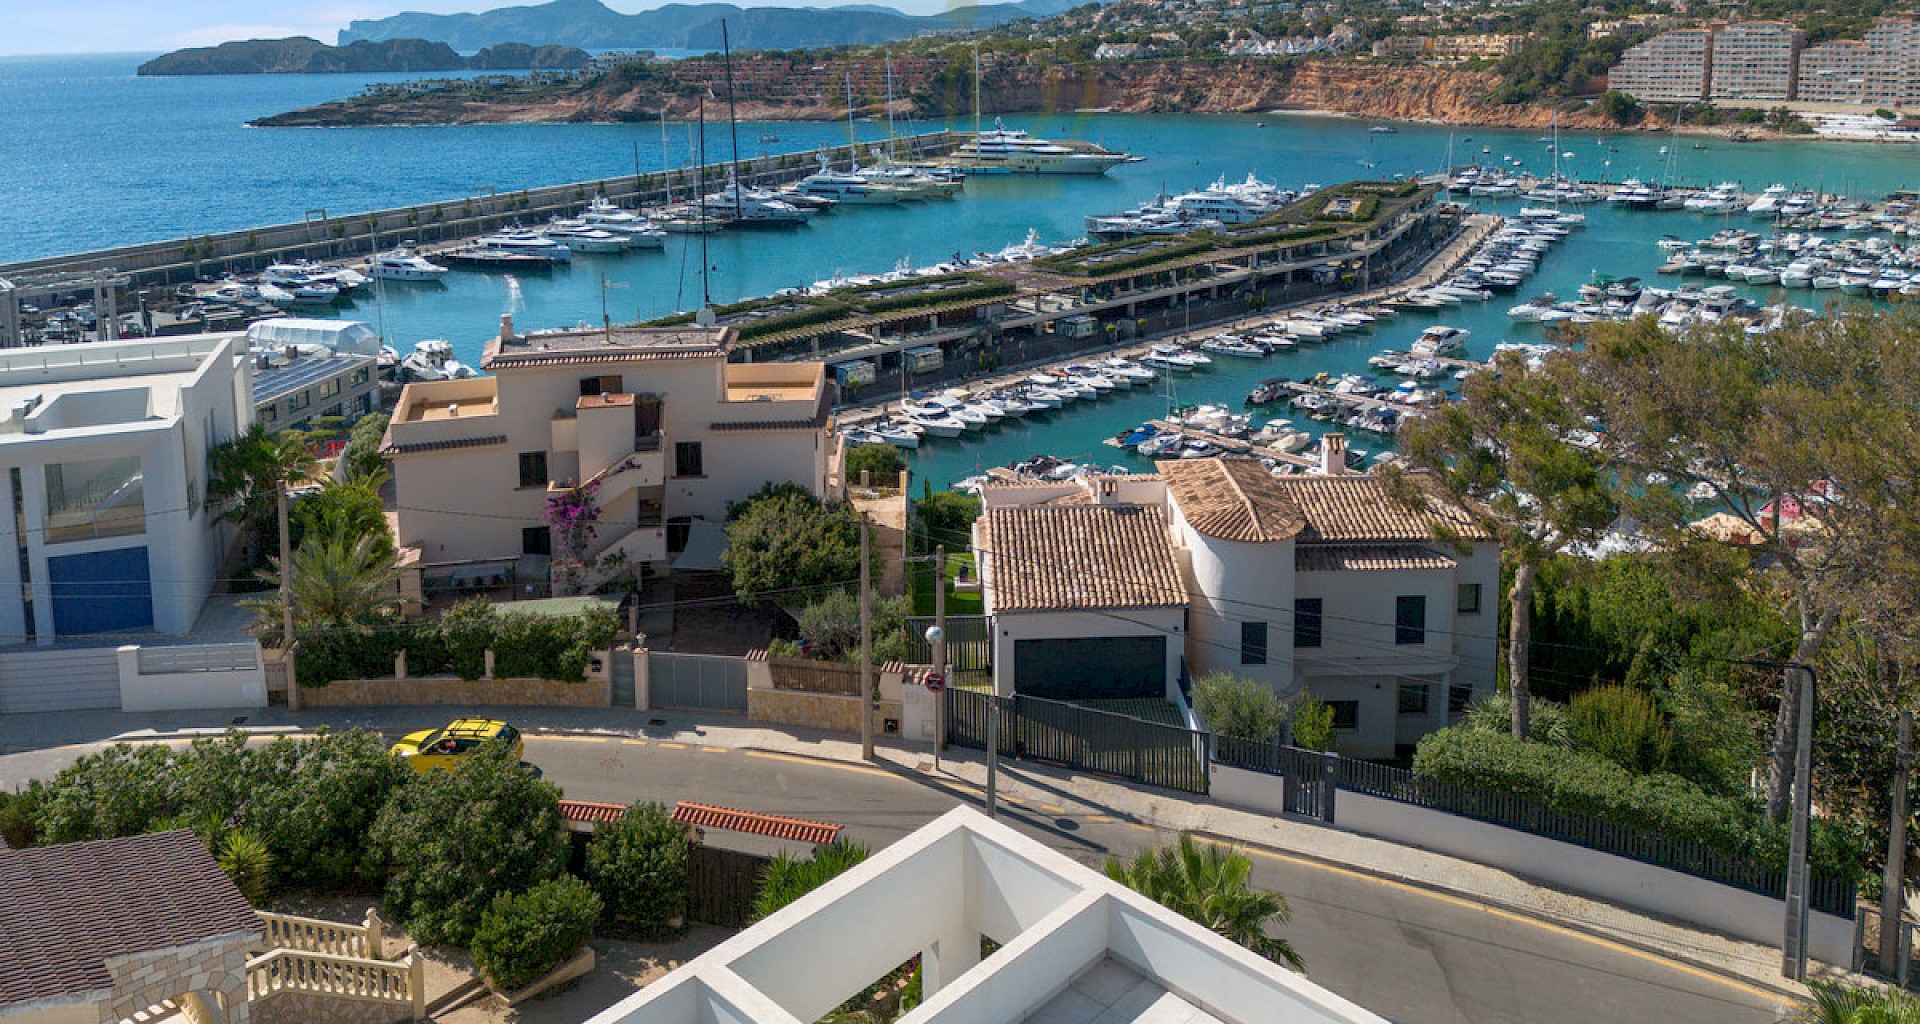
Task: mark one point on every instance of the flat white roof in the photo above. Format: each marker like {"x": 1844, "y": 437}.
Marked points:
{"x": 1075, "y": 947}
{"x": 66, "y": 387}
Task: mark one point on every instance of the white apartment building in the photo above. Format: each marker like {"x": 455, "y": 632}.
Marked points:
{"x": 656, "y": 420}
{"x": 1834, "y": 72}
{"x": 1320, "y": 583}
{"x": 103, "y": 458}
{"x": 1673, "y": 67}
{"x": 1893, "y": 62}
{"x": 1755, "y": 61}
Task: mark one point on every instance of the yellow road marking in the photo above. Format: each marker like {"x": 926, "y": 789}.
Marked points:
{"x": 1518, "y": 918}
{"x": 709, "y": 750}
{"x": 673, "y": 746}
{"x": 1052, "y": 808}
{"x": 1099, "y": 818}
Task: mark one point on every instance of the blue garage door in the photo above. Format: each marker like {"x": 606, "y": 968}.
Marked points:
{"x": 102, "y": 591}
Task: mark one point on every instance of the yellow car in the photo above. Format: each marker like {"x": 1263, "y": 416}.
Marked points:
{"x": 434, "y": 749}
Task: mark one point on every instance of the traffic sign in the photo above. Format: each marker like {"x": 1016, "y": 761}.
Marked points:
{"x": 936, "y": 682}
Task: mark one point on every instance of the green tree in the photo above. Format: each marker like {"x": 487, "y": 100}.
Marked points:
{"x": 881, "y": 463}
{"x": 638, "y": 866}
{"x": 244, "y": 475}
{"x": 1501, "y": 464}
{"x": 787, "y": 878}
{"x": 785, "y": 539}
{"x": 1241, "y": 708}
{"x": 362, "y": 453}
{"x": 943, "y": 517}
{"x": 524, "y": 935}
{"x": 1802, "y": 417}
{"x": 316, "y": 802}
{"x": 343, "y": 582}
{"x": 1623, "y": 725}
{"x": 456, "y": 839}
{"x": 1211, "y": 886}
{"x": 1312, "y": 723}
{"x": 353, "y": 507}
{"x": 1620, "y": 108}
{"x": 831, "y": 627}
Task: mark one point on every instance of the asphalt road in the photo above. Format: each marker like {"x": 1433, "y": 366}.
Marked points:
{"x": 1410, "y": 955}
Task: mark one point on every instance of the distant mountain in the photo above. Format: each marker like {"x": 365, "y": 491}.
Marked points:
{"x": 592, "y": 25}
{"x": 300, "y": 55}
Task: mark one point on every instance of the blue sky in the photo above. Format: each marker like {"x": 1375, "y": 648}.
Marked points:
{"x": 109, "y": 26}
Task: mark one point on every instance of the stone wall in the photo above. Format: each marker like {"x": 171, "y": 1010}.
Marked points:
{"x": 215, "y": 969}
{"x": 425, "y": 690}
{"x": 310, "y": 1008}
{"x": 816, "y": 710}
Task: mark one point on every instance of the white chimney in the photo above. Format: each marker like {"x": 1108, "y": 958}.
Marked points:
{"x": 1333, "y": 454}
{"x": 1103, "y": 490}
{"x": 506, "y": 327}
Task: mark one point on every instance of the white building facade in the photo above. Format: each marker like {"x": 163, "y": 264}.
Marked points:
{"x": 103, "y": 455}
{"x": 656, "y": 423}
{"x": 1672, "y": 67}
{"x": 1756, "y": 61}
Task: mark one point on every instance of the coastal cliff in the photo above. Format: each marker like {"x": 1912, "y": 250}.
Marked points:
{"x": 300, "y": 55}
{"x": 1245, "y": 86}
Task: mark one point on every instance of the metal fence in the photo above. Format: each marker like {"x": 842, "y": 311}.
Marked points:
{"x": 1034, "y": 729}
{"x": 722, "y": 885}
{"x": 708, "y": 682}
{"x": 1827, "y": 894}
{"x": 969, "y": 643}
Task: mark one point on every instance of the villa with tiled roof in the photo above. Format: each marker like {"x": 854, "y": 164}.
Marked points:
{"x": 1323, "y": 582}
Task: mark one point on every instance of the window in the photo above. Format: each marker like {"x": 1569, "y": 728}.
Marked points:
{"x": 1467, "y": 599}
{"x": 1413, "y": 698}
{"x": 361, "y": 376}
{"x": 329, "y": 388}
{"x": 1410, "y": 619}
{"x": 686, "y": 459}
{"x": 605, "y": 385}
{"x": 269, "y": 414}
{"x": 95, "y": 498}
{"x": 536, "y": 540}
{"x": 1306, "y": 622}
{"x": 533, "y": 469}
{"x": 1346, "y": 714}
{"x": 1459, "y": 699}
{"x": 298, "y": 402}
{"x": 1253, "y": 643}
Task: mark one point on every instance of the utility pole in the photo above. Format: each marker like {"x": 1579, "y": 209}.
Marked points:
{"x": 286, "y": 599}
{"x": 866, "y": 644}
{"x": 1794, "y": 947}
{"x": 1892, "y": 883}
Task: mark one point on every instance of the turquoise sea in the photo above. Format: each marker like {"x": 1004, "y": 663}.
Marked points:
{"x": 96, "y": 157}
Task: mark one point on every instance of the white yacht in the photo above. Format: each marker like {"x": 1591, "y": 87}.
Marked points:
{"x": 1768, "y": 203}
{"x": 1011, "y": 151}
{"x": 404, "y": 264}
{"x": 1440, "y": 341}
{"x": 578, "y": 237}
{"x": 433, "y": 360}
{"x": 1718, "y": 199}
{"x": 529, "y": 243}
{"x": 746, "y": 207}
{"x": 640, "y": 232}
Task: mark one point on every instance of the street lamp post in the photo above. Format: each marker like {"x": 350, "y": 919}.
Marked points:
{"x": 937, "y": 639}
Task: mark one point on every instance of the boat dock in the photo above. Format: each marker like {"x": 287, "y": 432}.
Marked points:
{"x": 1238, "y": 446}
{"x": 1447, "y": 361}
{"x": 1360, "y": 402}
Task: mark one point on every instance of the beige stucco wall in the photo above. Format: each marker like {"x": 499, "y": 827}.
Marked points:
{"x": 424, "y": 690}
{"x": 815, "y": 710}
{"x": 306, "y": 1008}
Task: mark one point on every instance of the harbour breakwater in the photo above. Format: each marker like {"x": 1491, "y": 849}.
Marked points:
{"x": 323, "y": 236}
{"x": 1400, "y": 92}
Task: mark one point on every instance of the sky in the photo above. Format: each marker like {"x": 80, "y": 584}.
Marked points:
{"x": 151, "y": 26}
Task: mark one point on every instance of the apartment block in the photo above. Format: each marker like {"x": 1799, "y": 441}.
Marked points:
{"x": 1893, "y": 62}
{"x": 1755, "y": 61}
{"x": 1494, "y": 45}
{"x": 654, "y": 425}
{"x": 1834, "y": 72}
{"x": 1673, "y": 67}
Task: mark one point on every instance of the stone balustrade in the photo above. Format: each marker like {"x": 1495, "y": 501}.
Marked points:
{"x": 293, "y": 971}
{"x": 366, "y": 941}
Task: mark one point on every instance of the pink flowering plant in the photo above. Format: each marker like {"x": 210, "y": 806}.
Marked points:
{"x": 572, "y": 516}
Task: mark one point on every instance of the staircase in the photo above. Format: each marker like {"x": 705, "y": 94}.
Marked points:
{"x": 307, "y": 956}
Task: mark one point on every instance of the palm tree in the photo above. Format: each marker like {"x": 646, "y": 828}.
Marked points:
{"x": 245, "y": 474}
{"x": 1210, "y": 885}
{"x": 342, "y": 580}
{"x": 1840, "y": 1003}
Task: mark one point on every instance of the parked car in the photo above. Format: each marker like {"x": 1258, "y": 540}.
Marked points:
{"x": 436, "y": 749}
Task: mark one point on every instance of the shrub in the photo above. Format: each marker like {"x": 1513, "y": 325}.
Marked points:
{"x": 788, "y": 878}
{"x": 120, "y": 791}
{"x": 533, "y": 646}
{"x": 18, "y": 811}
{"x": 316, "y": 802}
{"x": 881, "y": 462}
{"x": 524, "y": 935}
{"x": 638, "y": 866}
{"x": 1237, "y": 707}
{"x": 456, "y": 839}
{"x": 1575, "y": 782}
{"x": 831, "y": 628}
{"x": 1312, "y": 724}
{"x": 1622, "y": 725}
{"x": 785, "y": 539}
{"x": 247, "y": 861}
{"x": 1546, "y": 720}
{"x": 362, "y": 454}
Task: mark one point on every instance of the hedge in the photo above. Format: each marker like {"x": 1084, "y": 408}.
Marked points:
{"x": 522, "y": 936}
{"x": 971, "y": 292}
{"x": 524, "y": 646}
{"x": 638, "y": 866}
{"x": 1579, "y": 783}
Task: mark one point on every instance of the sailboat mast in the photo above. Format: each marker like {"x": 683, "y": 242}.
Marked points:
{"x": 853, "y": 154}
{"x": 976, "y": 94}
{"x": 666, "y": 156}
{"x": 733, "y": 119}
{"x": 893, "y": 144}
{"x": 700, "y": 204}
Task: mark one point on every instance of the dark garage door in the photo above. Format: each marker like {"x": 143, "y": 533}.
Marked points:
{"x": 1088, "y": 668}
{"x": 101, "y": 591}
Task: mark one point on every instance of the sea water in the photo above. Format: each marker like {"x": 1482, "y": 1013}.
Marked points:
{"x": 97, "y": 157}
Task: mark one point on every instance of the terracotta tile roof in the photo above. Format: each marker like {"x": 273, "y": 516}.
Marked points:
{"x": 1369, "y": 557}
{"x": 64, "y": 910}
{"x": 418, "y": 447}
{"x": 1062, "y": 557}
{"x": 1232, "y": 499}
{"x": 591, "y": 812}
{"x": 1358, "y": 508}
{"x": 731, "y": 820}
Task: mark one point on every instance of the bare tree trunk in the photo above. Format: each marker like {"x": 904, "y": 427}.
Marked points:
{"x": 1786, "y": 724}
{"x": 1519, "y": 641}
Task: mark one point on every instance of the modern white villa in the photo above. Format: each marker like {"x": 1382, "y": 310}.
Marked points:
{"x": 1074, "y": 947}
{"x": 103, "y": 460}
{"x": 1106, "y": 587}
{"x": 655, "y": 422}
